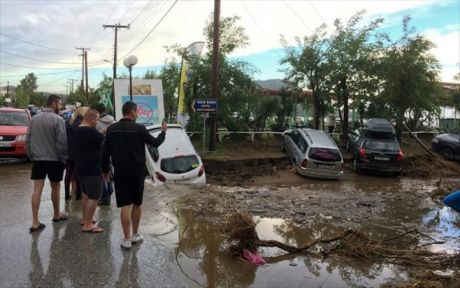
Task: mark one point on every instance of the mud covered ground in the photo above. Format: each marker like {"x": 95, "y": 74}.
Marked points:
{"x": 262, "y": 162}
{"x": 264, "y": 184}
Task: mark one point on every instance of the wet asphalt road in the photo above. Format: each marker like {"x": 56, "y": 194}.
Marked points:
{"x": 62, "y": 256}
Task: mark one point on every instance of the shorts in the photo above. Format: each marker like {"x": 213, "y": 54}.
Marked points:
{"x": 92, "y": 186}
{"x": 54, "y": 170}
{"x": 129, "y": 188}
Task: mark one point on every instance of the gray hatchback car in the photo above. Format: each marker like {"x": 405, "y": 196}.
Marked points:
{"x": 313, "y": 153}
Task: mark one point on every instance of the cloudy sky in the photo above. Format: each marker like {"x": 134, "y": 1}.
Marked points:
{"x": 41, "y": 36}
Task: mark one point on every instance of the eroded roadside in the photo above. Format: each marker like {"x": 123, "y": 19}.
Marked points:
{"x": 293, "y": 209}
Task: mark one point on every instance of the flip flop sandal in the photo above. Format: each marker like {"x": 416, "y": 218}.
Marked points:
{"x": 40, "y": 226}
{"x": 93, "y": 230}
{"x": 63, "y": 217}
{"x": 93, "y": 222}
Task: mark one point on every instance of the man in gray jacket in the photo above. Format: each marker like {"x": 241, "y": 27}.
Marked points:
{"x": 46, "y": 142}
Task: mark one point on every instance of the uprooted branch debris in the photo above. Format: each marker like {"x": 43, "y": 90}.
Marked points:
{"x": 349, "y": 243}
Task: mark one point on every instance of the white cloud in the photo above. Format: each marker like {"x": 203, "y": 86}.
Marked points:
{"x": 447, "y": 51}
{"x": 69, "y": 24}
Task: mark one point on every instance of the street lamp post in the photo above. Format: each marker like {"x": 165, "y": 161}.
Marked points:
{"x": 129, "y": 63}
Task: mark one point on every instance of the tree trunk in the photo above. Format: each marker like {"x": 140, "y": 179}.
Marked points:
{"x": 317, "y": 107}
{"x": 344, "y": 92}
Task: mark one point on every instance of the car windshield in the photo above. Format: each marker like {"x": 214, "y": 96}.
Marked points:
{"x": 323, "y": 154}
{"x": 180, "y": 164}
{"x": 14, "y": 118}
{"x": 379, "y": 145}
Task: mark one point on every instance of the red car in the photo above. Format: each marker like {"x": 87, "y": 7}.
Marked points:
{"x": 13, "y": 128}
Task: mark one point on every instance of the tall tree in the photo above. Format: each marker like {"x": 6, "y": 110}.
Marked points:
{"x": 169, "y": 75}
{"x": 25, "y": 89}
{"x": 29, "y": 83}
{"x": 410, "y": 79}
{"x": 350, "y": 54}
{"x": 236, "y": 86}
{"x": 309, "y": 68}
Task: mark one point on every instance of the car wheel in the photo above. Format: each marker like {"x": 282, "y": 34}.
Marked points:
{"x": 447, "y": 153}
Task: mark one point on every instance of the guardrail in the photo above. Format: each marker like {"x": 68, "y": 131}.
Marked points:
{"x": 335, "y": 135}
{"x": 222, "y": 133}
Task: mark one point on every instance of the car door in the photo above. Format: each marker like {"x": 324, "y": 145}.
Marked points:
{"x": 301, "y": 149}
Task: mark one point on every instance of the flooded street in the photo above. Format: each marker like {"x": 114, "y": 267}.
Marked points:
{"x": 184, "y": 245}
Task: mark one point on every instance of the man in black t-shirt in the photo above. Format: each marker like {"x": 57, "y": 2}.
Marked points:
{"x": 125, "y": 144}
{"x": 88, "y": 164}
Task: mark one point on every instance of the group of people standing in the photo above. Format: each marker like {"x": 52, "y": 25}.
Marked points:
{"x": 87, "y": 149}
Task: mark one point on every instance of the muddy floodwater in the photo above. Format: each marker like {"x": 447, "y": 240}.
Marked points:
{"x": 184, "y": 245}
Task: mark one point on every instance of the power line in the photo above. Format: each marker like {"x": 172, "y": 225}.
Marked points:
{"x": 257, "y": 24}
{"x": 40, "y": 74}
{"x": 150, "y": 32}
{"x": 126, "y": 11}
{"x": 54, "y": 81}
{"x": 314, "y": 8}
{"x": 20, "y": 66}
{"x": 142, "y": 23}
{"x": 35, "y": 59}
{"x": 297, "y": 15}
{"x": 111, "y": 14}
{"x": 35, "y": 44}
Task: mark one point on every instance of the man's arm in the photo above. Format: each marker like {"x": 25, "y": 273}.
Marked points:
{"x": 98, "y": 137}
{"x": 150, "y": 140}
{"x": 106, "y": 154}
{"x": 61, "y": 140}
{"x": 28, "y": 148}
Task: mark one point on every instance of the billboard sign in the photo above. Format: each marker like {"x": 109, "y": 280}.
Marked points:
{"x": 147, "y": 94}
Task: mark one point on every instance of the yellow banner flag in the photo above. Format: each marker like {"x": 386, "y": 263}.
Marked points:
{"x": 193, "y": 49}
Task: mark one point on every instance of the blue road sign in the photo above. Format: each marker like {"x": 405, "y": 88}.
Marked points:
{"x": 204, "y": 105}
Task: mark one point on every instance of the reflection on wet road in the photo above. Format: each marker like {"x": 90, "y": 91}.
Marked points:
{"x": 182, "y": 249}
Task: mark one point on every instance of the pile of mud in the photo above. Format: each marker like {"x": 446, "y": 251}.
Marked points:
{"x": 445, "y": 187}
{"x": 428, "y": 166}
{"x": 239, "y": 172}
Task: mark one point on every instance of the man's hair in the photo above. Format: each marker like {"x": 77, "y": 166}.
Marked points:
{"x": 52, "y": 99}
{"x": 128, "y": 107}
{"x": 100, "y": 108}
{"x": 91, "y": 114}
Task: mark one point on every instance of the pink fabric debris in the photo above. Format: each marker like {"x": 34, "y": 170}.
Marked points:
{"x": 253, "y": 258}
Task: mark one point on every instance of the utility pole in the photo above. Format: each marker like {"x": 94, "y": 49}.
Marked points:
{"x": 215, "y": 74}
{"x": 67, "y": 91}
{"x": 71, "y": 84}
{"x": 86, "y": 72}
{"x": 7, "y": 88}
{"x": 115, "y": 27}
{"x": 82, "y": 66}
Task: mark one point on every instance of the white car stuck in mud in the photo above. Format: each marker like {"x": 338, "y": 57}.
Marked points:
{"x": 176, "y": 160}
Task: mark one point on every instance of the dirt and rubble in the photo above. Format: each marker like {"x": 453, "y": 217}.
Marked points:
{"x": 257, "y": 179}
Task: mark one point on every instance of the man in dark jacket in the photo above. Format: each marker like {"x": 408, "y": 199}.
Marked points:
{"x": 125, "y": 144}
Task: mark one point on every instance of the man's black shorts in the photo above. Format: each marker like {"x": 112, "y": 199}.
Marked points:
{"x": 54, "y": 170}
{"x": 92, "y": 186}
{"x": 129, "y": 188}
